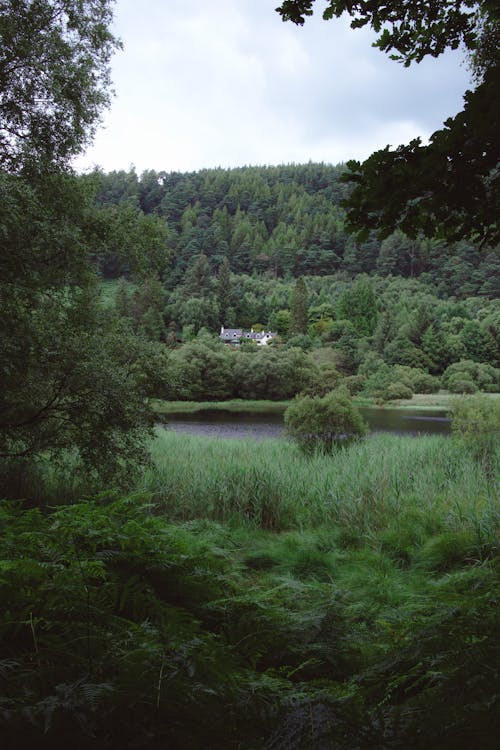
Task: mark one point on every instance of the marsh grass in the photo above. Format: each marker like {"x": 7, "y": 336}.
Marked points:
{"x": 376, "y": 525}
{"x": 409, "y": 488}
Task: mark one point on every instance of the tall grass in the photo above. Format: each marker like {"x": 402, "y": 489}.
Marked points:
{"x": 368, "y": 487}
{"x": 46, "y": 481}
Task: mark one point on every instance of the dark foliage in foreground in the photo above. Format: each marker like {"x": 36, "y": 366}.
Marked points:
{"x": 120, "y": 630}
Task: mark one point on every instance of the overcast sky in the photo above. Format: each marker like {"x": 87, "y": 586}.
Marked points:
{"x": 207, "y": 83}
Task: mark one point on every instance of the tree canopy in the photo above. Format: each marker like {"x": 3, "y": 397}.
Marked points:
{"x": 412, "y": 28}
{"x": 54, "y": 78}
{"x": 68, "y": 372}
{"x": 449, "y": 187}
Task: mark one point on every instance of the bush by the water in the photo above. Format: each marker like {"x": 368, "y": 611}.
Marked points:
{"x": 476, "y": 421}
{"x": 324, "y": 423}
{"x": 398, "y": 390}
{"x": 467, "y": 376}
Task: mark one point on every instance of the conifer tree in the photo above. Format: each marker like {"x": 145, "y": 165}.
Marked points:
{"x": 224, "y": 289}
{"x": 299, "y": 307}
{"x": 198, "y": 279}
{"x": 122, "y": 298}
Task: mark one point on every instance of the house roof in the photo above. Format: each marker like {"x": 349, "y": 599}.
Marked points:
{"x": 231, "y": 333}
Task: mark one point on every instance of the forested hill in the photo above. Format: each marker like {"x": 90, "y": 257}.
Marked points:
{"x": 280, "y": 221}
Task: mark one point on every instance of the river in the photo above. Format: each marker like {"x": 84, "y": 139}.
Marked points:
{"x": 262, "y": 425}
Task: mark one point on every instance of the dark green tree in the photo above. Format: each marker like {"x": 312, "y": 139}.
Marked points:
{"x": 148, "y": 307}
{"x": 299, "y": 307}
{"x": 359, "y": 305}
{"x": 123, "y": 299}
{"x": 198, "y": 280}
{"x": 54, "y": 76}
{"x": 451, "y": 185}
{"x": 411, "y": 29}
{"x": 398, "y": 255}
{"x": 202, "y": 373}
{"x": 199, "y": 312}
{"x": 224, "y": 290}
{"x": 480, "y": 345}
{"x": 402, "y": 351}
{"x": 344, "y": 338}
{"x": 272, "y": 374}
{"x": 70, "y": 373}
{"x": 280, "y": 321}
{"x": 448, "y": 188}
{"x": 129, "y": 242}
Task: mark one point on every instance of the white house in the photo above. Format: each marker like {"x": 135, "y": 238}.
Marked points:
{"x": 234, "y": 335}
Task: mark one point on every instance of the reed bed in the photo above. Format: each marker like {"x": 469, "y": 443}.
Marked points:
{"x": 368, "y": 487}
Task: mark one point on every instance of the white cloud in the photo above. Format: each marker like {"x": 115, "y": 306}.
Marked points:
{"x": 227, "y": 83}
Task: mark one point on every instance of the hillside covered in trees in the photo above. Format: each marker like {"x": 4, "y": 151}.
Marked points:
{"x": 267, "y": 247}
{"x": 282, "y": 221}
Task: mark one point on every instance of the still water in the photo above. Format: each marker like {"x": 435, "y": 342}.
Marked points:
{"x": 261, "y": 425}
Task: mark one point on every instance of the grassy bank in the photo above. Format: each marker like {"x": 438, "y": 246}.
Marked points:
{"x": 234, "y": 405}
{"x": 433, "y": 401}
{"x": 419, "y": 401}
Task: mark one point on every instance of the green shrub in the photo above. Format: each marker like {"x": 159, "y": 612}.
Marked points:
{"x": 483, "y": 376}
{"x": 301, "y": 341}
{"x": 389, "y": 383}
{"x": 371, "y": 363}
{"x": 324, "y": 423}
{"x": 425, "y": 383}
{"x": 377, "y": 383}
{"x": 476, "y": 422}
{"x": 354, "y": 383}
{"x": 397, "y": 390}
{"x": 459, "y": 383}
{"x": 417, "y": 379}
{"x": 325, "y": 379}
{"x": 490, "y": 388}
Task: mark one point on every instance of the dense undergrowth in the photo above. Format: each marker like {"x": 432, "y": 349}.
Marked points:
{"x": 250, "y": 597}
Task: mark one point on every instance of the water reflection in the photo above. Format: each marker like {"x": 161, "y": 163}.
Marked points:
{"x": 404, "y": 421}
{"x": 262, "y": 425}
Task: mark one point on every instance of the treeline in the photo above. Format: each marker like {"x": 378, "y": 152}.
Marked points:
{"x": 206, "y": 370}
{"x": 280, "y": 221}
{"x": 371, "y": 330}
